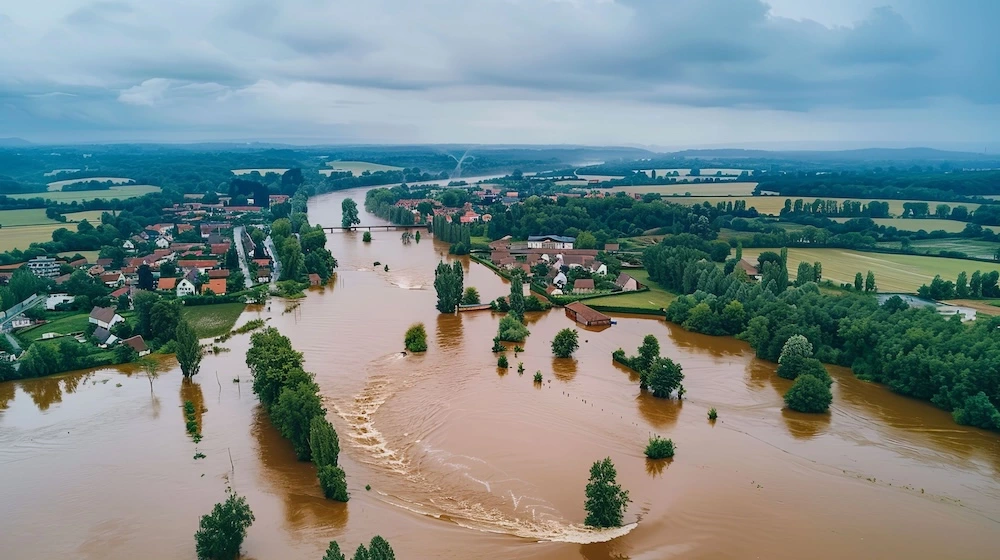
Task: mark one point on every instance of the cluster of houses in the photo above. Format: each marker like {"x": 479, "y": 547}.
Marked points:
{"x": 559, "y": 255}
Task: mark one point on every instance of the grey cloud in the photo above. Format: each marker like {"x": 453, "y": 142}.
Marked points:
{"x": 228, "y": 61}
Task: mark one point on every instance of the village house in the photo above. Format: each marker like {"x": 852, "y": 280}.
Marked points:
{"x": 315, "y": 280}
{"x": 167, "y": 284}
{"x": 263, "y": 274}
{"x": 550, "y": 242}
{"x": 104, "y": 337}
{"x": 559, "y": 280}
{"x": 216, "y": 285}
{"x": 113, "y": 279}
{"x": 470, "y": 217}
{"x": 218, "y": 273}
{"x": 128, "y": 245}
{"x": 104, "y": 317}
{"x": 611, "y": 247}
{"x": 627, "y": 284}
{"x": 162, "y": 242}
{"x": 202, "y": 265}
{"x": 553, "y": 291}
{"x": 220, "y": 248}
{"x": 277, "y": 198}
{"x": 185, "y": 288}
{"x": 751, "y": 268}
{"x": 583, "y": 286}
{"x": 586, "y": 316}
{"x": 137, "y": 344}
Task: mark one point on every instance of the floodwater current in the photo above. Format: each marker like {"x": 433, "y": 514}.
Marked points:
{"x": 466, "y": 461}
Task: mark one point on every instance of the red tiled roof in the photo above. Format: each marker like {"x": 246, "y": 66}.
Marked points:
{"x": 220, "y": 248}
{"x": 167, "y": 283}
{"x": 217, "y": 285}
{"x": 218, "y": 273}
{"x": 136, "y": 343}
{"x": 583, "y": 284}
{"x": 197, "y": 263}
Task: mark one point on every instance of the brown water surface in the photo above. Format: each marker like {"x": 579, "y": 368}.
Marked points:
{"x": 468, "y": 461}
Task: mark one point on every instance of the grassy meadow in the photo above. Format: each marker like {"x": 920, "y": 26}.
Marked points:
{"x": 893, "y": 273}
{"x": 655, "y": 299}
{"x": 972, "y": 247}
{"x": 916, "y": 224}
{"x": 21, "y": 237}
{"x": 116, "y": 193}
{"x": 23, "y": 217}
{"x": 210, "y": 321}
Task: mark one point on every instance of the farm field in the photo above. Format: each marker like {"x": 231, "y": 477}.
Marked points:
{"x": 68, "y": 324}
{"x": 210, "y": 321}
{"x": 656, "y": 298}
{"x": 772, "y": 205}
{"x": 598, "y": 177}
{"x": 893, "y": 273}
{"x": 91, "y": 256}
{"x": 916, "y": 224}
{"x": 21, "y": 237}
{"x": 972, "y": 247}
{"x": 261, "y": 170}
{"x": 722, "y": 190}
{"x": 704, "y": 172}
{"x": 23, "y": 217}
{"x": 986, "y": 306}
{"x": 357, "y": 167}
{"x": 58, "y": 185}
{"x": 116, "y": 193}
{"x": 92, "y": 216}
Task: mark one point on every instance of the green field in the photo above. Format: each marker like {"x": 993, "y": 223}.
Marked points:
{"x": 116, "y": 193}
{"x": 64, "y": 323}
{"x": 916, "y": 224}
{"x": 772, "y": 205}
{"x": 893, "y": 273}
{"x": 92, "y": 216}
{"x": 356, "y": 167}
{"x": 58, "y": 185}
{"x": 704, "y": 189}
{"x": 210, "y": 321}
{"x": 656, "y": 298}
{"x": 23, "y": 217}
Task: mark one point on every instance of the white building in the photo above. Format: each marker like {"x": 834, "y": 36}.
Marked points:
{"x": 550, "y": 242}
{"x": 128, "y": 245}
{"x": 185, "y": 288}
{"x": 560, "y": 280}
{"x": 44, "y": 267}
{"x": 627, "y": 283}
{"x": 105, "y": 317}
{"x": 57, "y": 299}
{"x": 162, "y": 243}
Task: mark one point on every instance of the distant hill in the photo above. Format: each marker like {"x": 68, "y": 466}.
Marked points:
{"x": 14, "y": 142}
{"x": 867, "y": 154}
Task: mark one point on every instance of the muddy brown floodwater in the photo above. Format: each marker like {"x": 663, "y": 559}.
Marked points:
{"x": 467, "y": 461}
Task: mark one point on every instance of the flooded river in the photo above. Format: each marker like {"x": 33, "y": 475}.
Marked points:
{"x": 466, "y": 461}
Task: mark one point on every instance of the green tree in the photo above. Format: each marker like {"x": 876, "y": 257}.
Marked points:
{"x": 978, "y": 411}
{"x": 379, "y": 549}
{"x": 805, "y": 273}
{"x": 271, "y": 358}
{"x": 281, "y": 229}
{"x": 416, "y": 338}
{"x": 565, "y": 343}
{"x": 333, "y": 552}
{"x": 292, "y": 414}
{"x": 367, "y": 237}
{"x": 165, "y": 315}
{"x": 818, "y": 270}
{"x": 471, "y": 296}
{"x": 293, "y": 260}
{"x": 858, "y": 282}
{"x": 648, "y": 353}
{"x": 659, "y": 448}
{"x": 870, "y": 282}
{"x": 448, "y": 282}
{"x": 349, "y": 211}
{"x": 796, "y": 345}
{"x": 516, "y": 299}
{"x": 792, "y": 367}
{"x": 361, "y": 553}
{"x": 189, "y": 351}
{"x": 511, "y": 330}
{"x": 664, "y": 377}
{"x": 323, "y": 442}
{"x": 809, "y": 394}
{"x": 606, "y": 501}
{"x": 220, "y": 533}
{"x": 585, "y": 240}
{"x": 333, "y": 482}
{"x": 962, "y": 285}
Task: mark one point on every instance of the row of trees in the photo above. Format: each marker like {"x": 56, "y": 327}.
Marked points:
{"x": 979, "y": 285}
{"x": 658, "y": 374}
{"x": 291, "y": 398}
{"x": 304, "y": 254}
{"x": 915, "y": 352}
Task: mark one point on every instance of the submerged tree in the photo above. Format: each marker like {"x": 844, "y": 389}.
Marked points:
{"x": 809, "y": 394}
{"x": 333, "y": 552}
{"x": 323, "y": 442}
{"x": 448, "y": 280}
{"x": 349, "y": 210}
{"x": 415, "y": 339}
{"x": 565, "y": 343}
{"x": 220, "y": 533}
{"x": 189, "y": 351}
{"x": 606, "y": 501}
{"x": 516, "y": 299}
{"x": 333, "y": 481}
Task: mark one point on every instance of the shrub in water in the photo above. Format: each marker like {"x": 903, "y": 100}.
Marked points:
{"x": 502, "y": 362}
{"x": 809, "y": 394}
{"x": 538, "y": 377}
{"x": 416, "y": 338}
{"x": 712, "y": 414}
{"x": 659, "y": 448}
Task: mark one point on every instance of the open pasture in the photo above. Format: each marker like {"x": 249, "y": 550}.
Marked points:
{"x": 58, "y": 185}
{"x": 722, "y": 190}
{"x": 893, "y": 273}
{"x": 916, "y": 224}
{"x": 115, "y": 193}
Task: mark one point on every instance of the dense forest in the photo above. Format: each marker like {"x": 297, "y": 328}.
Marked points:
{"x": 914, "y": 184}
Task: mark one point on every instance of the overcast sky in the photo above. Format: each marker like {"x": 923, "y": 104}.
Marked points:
{"x": 666, "y": 73}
